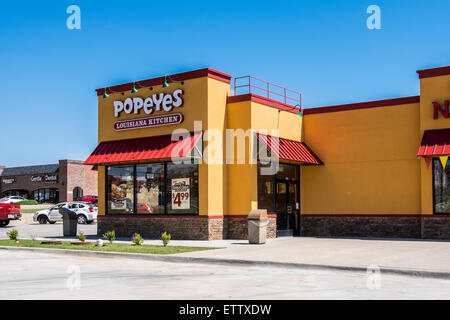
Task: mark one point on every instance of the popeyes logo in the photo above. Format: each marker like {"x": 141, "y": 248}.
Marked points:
{"x": 165, "y": 102}
{"x": 157, "y": 102}
{"x": 444, "y": 111}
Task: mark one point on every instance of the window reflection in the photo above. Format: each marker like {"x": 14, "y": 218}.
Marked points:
{"x": 182, "y": 188}
{"x": 150, "y": 188}
{"x": 160, "y": 188}
{"x": 441, "y": 186}
{"x": 120, "y": 189}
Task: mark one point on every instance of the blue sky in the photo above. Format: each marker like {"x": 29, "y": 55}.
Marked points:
{"x": 322, "y": 48}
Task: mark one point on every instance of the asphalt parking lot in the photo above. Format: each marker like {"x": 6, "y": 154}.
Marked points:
{"x": 48, "y": 230}
{"x": 49, "y": 276}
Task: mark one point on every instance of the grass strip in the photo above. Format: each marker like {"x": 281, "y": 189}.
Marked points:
{"x": 114, "y": 247}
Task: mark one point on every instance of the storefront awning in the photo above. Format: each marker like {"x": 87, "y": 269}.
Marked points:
{"x": 289, "y": 149}
{"x": 153, "y": 148}
{"x": 435, "y": 143}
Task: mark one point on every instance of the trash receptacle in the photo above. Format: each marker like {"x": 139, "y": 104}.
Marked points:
{"x": 257, "y": 226}
{"x": 69, "y": 222}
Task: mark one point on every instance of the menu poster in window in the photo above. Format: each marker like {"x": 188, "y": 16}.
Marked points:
{"x": 181, "y": 194}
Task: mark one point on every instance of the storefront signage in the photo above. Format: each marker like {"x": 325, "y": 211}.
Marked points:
{"x": 444, "y": 111}
{"x": 9, "y": 180}
{"x": 157, "y": 102}
{"x": 181, "y": 194}
{"x": 45, "y": 178}
{"x": 155, "y": 121}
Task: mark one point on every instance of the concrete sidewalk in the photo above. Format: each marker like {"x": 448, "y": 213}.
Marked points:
{"x": 408, "y": 254}
{"x": 343, "y": 253}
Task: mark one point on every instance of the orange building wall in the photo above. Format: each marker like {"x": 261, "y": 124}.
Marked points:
{"x": 431, "y": 89}
{"x": 370, "y": 161}
{"x": 243, "y": 178}
{"x": 205, "y": 101}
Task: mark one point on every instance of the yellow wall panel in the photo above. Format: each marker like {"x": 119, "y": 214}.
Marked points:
{"x": 370, "y": 162}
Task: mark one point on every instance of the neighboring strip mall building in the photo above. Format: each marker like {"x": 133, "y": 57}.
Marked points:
{"x": 376, "y": 168}
{"x": 66, "y": 180}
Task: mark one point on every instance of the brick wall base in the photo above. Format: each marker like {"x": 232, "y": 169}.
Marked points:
{"x": 218, "y": 228}
{"x": 436, "y": 228}
{"x": 383, "y": 227}
{"x": 180, "y": 228}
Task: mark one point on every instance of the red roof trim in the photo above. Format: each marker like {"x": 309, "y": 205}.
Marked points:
{"x": 206, "y": 72}
{"x": 263, "y": 100}
{"x": 363, "y": 105}
{"x": 434, "y": 72}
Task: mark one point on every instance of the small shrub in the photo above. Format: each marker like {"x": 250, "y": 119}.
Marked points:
{"x": 13, "y": 234}
{"x": 137, "y": 239}
{"x": 166, "y": 238}
{"x": 28, "y": 202}
{"x": 81, "y": 236}
{"x": 110, "y": 236}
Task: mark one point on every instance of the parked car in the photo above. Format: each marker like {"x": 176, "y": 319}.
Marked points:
{"x": 143, "y": 208}
{"x": 9, "y": 212}
{"x": 12, "y": 199}
{"x": 86, "y": 213}
{"x": 90, "y": 198}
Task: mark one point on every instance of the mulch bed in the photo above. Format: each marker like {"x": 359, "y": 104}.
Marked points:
{"x": 81, "y": 243}
{"x": 51, "y": 242}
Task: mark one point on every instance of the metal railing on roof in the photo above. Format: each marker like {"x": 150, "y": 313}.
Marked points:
{"x": 250, "y": 84}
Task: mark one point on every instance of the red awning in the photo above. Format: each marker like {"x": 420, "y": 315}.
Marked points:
{"x": 435, "y": 143}
{"x": 290, "y": 150}
{"x": 160, "y": 147}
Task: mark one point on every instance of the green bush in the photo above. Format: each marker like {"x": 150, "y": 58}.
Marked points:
{"x": 13, "y": 234}
{"x": 137, "y": 239}
{"x": 166, "y": 238}
{"x": 28, "y": 202}
{"x": 81, "y": 236}
{"x": 110, "y": 236}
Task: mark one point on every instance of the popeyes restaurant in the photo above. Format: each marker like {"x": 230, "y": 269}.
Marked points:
{"x": 193, "y": 153}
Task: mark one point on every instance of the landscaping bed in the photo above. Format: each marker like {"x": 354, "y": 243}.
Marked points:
{"x": 109, "y": 247}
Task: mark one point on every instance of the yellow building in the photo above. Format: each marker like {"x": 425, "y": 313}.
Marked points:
{"x": 187, "y": 155}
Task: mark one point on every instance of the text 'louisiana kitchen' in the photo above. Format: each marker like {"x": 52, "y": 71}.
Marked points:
{"x": 157, "y": 102}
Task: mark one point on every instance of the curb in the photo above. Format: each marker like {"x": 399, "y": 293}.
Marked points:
{"x": 241, "y": 262}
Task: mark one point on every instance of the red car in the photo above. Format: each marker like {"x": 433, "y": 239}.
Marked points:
{"x": 143, "y": 208}
{"x": 9, "y": 212}
{"x": 90, "y": 198}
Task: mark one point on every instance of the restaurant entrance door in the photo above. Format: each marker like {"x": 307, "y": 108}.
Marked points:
{"x": 287, "y": 208}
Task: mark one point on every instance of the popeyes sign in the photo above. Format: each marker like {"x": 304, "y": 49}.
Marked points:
{"x": 165, "y": 102}
{"x": 442, "y": 110}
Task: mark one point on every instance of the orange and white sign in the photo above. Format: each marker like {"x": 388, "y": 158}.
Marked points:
{"x": 181, "y": 196}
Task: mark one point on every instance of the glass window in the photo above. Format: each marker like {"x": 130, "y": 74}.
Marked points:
{"x": 182, "y": 188}
{"x": 77, "y": 193}
{"x": 46, "y": 195}
{"x": 265, "y": 192}
{"x": 150, "y": 188}
{"x": 73, "y": 206}
{"x": 160, "y": 188}
{"x": 287, "y": 172}
{"x": 120, "y": 194}
{"x": 441, "y": 187}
